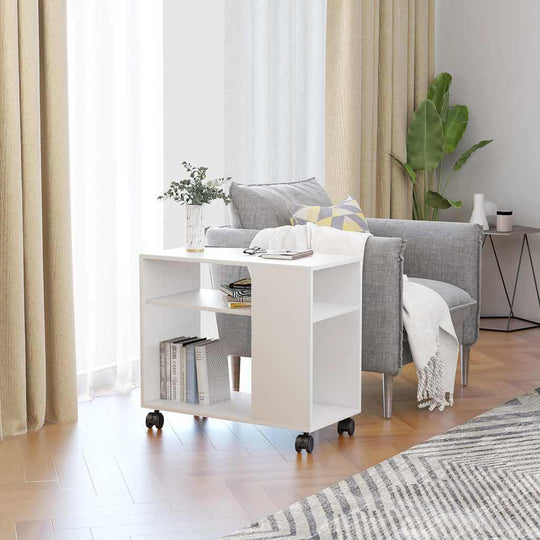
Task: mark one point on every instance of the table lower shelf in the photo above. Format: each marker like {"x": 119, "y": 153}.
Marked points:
{"x": 239, "y": 409}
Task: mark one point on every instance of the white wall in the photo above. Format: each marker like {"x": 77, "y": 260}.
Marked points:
{"x": 193, "y": 101}
{"x": 193, "y": 110}
{"x": 491, "y": 48}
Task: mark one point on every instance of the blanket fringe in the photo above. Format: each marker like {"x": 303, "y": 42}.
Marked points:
{"x": 430, "y": 392}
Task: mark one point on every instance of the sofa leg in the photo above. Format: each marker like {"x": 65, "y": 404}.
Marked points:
{"x": 388, "y": 385}
{"x": 464, "y": 354}
{"x": 235, "y": 364}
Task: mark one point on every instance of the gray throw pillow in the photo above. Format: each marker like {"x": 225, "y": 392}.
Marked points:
{"x": 258, "y": 206}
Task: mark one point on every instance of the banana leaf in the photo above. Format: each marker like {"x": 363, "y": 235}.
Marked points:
{"x": 436, "y": 200}
{"x": 455, "y": 126}
{"x": 444, "y": 108}
{"x": 407, "y": 168}
{"x": 467, "y": 154}
{"x": 425, "y": 141}
{"x": 438, "y": 88}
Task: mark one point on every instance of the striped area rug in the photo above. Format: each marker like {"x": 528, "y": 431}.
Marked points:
{"x": 479, "y": 480}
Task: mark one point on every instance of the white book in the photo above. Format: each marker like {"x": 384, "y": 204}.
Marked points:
{"x": 286, "y": 255}
{"x": 168, "y": 369}
{"x": 212, "y": 373}
{"x": 192, "y": 391}
{"x": 178, "y": 367}
{"x": 202, "y": 374}
{"x": 162, "y": 372}
{"x": 182, "y": 374}
{"x": 167, "y": 362}
{"x": 175, "y": 379}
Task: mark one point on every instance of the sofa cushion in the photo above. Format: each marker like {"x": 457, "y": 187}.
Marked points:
{"x": 461, "y": 306}
{"x": 452, "y": 295}
{"x": 258, "y": 206}
{"x": 345, "y": 216}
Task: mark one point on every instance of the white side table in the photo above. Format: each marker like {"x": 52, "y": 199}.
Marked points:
{"x": 306, "y": 343}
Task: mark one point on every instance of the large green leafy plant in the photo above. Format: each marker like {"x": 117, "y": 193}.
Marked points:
{"x": 434, "y": 132}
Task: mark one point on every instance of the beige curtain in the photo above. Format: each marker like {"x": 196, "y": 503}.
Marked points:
{"x": 37, "y": 349}
{"x": 379, "y": 62}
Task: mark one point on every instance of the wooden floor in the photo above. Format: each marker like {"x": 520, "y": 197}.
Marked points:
{"x": 109, "y": 477}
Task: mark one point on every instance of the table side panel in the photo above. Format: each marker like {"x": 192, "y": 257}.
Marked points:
{"x": 282, "y": 345}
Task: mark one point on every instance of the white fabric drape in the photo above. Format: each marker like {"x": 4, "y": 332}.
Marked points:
{"x": 115, "y": 91}
{"x": 274, "y": 90}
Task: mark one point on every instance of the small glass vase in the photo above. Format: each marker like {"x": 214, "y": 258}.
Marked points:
{"x": 194, "y": 228}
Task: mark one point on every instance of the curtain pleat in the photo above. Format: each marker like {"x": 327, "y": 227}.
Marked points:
{"x": 379, "y": 61}
{"x": 37, "y": 353}
{"x": 343, "y": 101}
{"x": 33, "y": 324}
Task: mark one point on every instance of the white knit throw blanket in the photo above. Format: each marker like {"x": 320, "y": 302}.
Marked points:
{"x": 433, "y": 343}
{"x": 426, "y": 317}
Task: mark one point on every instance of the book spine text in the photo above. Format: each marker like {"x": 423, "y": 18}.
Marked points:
{"x": 162, "y": 375}
{"x": 202, "y": 375}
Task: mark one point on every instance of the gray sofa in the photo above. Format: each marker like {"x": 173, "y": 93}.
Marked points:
{"x": 443, "y": 256}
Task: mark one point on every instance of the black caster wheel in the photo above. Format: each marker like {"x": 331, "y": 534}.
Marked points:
{"x": 346, "y": 425}
{"x": 154, "y": 419}
{"x": 304, "y": 442}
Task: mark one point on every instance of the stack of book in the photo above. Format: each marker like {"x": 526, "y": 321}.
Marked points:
{"x": 238, "y": 293}
{"x": 193, "y": 370}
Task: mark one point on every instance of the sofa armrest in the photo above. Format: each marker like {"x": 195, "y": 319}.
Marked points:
{"x": 449, "y": 252}
{"x": 229, "y": 237}
{"x": 443, "y": 251}
{"x": 382, "y": 305}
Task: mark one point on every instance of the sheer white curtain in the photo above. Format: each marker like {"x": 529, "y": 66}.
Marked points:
{"x": 274, "y": 88}
{"x": 115, "y": 91}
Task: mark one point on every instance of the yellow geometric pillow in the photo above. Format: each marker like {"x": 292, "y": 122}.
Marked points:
{"x": 346, "y": 216}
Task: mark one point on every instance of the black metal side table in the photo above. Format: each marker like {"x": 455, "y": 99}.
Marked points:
{"x": 519, "y": 322}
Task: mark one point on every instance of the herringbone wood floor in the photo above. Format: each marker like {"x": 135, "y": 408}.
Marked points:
{"x": 108, "y": 477}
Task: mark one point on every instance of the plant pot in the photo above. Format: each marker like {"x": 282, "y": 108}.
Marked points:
{"x": 194, "y": 228}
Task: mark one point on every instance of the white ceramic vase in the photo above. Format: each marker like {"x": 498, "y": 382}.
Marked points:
{"x": 478, "y": 213}
{"x": 194, "y": 227}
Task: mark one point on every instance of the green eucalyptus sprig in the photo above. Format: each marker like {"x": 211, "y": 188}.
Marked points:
{"x": 195, "y": 189}
{"x": 435, "y": 131}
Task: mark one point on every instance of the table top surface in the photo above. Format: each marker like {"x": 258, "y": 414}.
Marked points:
{"x": 236, "y": 257}
{"x": 516, "y": 231}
